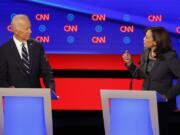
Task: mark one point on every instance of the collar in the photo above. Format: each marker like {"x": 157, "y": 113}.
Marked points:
{"x": 19, "y": 43}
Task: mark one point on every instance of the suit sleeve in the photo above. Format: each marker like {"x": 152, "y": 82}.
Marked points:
{"x": 174, "y": 65}
{"x": 46, "y": 71}
{"x": 3, "y": 70}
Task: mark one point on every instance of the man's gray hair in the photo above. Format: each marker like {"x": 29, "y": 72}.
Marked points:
{"x": 16, "y": 18}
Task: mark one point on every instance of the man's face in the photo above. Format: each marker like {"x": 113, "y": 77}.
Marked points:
{"x": 22, "y": 29}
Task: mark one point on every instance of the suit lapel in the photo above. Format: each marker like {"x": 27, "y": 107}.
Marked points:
{"x": 146, "y": 55}
{"x": 154, "y": 67}
{"x": 14, "y": 52}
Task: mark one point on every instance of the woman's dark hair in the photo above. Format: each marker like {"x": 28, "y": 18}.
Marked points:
{"x": 162, "y": 39}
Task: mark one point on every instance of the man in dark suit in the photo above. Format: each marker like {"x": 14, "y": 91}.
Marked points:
{"x": 22, "y": 60}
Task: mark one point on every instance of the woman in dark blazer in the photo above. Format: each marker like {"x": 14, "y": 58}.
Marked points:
{"x": 159, "y": 64}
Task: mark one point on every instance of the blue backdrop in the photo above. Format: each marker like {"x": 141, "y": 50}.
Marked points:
{"x": 92, "y": 26}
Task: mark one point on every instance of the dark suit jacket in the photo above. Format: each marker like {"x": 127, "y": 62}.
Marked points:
{"x": 162, "y": 74}
{"x": 11, "y": 70}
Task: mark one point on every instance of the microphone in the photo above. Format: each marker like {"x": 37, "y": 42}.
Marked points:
{"x": 129, "y": 59}
{"x": 130, "y": 84}
{"x": 131, "y": 81}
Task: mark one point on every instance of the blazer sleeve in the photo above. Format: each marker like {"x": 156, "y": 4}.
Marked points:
{"x": 46, "y": 71}
{"x": 137, "y": 71}
{"x": 174, "y": 65}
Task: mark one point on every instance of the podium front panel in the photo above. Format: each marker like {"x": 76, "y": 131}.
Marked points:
{"x": 130, "y": 112}
{"x": 25, "y": 111}
{"x": 24, "y": 115}
{"x": 130, "y": 117}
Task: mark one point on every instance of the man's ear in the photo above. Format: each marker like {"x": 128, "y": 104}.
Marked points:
{"x": 12, "y": 28}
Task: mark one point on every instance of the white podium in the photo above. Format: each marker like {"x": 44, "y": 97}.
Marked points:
{"x": 25, "y": 111}
{"x": 130, "y": 112}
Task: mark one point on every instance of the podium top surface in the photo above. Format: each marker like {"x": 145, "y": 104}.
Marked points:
{"x": 25, "y": 92}
{"x": 141, "y": 94}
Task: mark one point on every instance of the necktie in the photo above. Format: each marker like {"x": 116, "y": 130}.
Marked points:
{"x": 25, "y": 60}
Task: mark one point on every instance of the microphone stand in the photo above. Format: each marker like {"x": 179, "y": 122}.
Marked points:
{"x": 131, "y": 81}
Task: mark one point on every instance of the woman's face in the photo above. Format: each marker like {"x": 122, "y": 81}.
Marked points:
{"x": 148, "y": 40}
